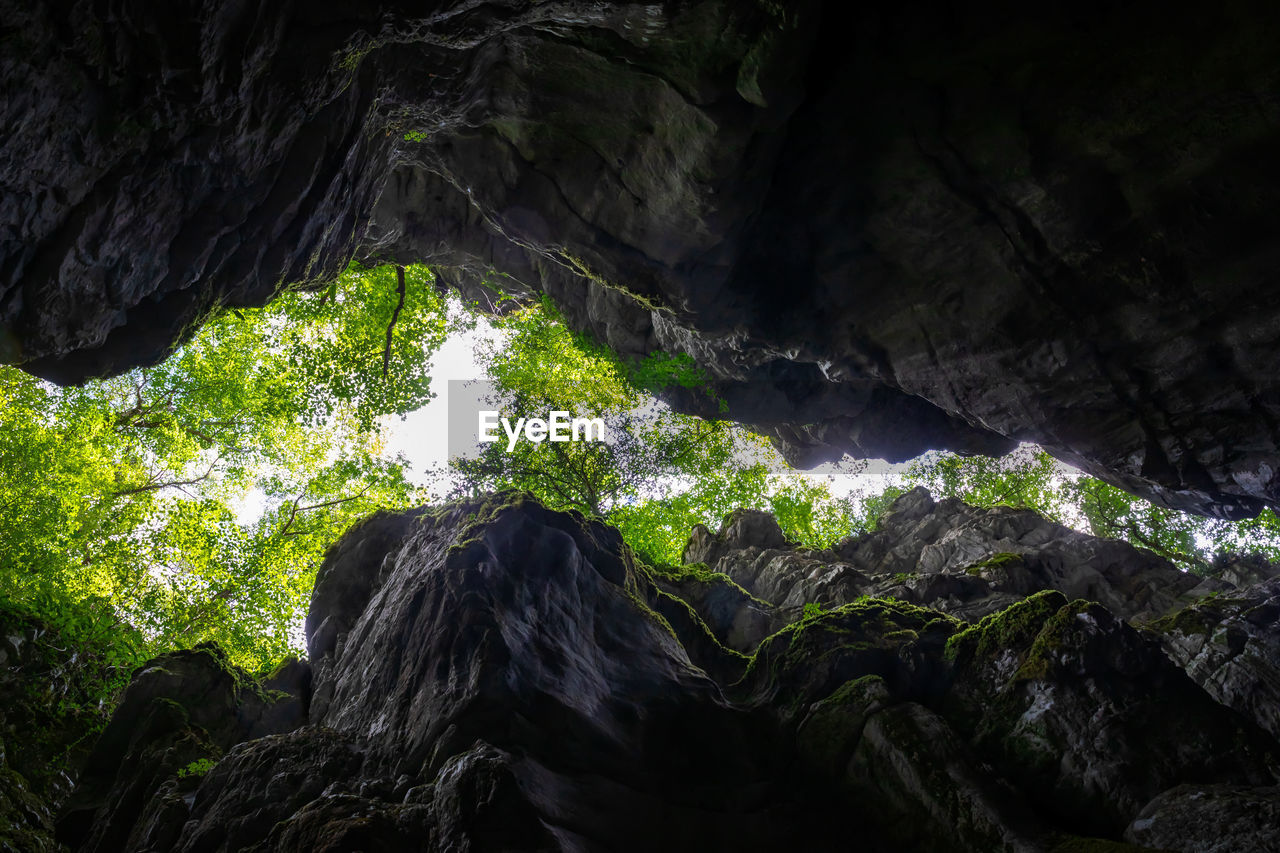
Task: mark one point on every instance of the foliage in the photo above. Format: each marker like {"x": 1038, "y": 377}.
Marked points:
{"x": 660, "y": 472}
{"x": 1032, "y": 479}
{"x": 55, "y": 675}
{"x": 122, "y": 495}
{"x": 199, "y": 767}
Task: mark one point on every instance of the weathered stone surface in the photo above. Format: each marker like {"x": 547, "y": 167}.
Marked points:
{"x": 1210, "y": 819}
{"x": 882, "y": 229}
{"x": 1088, "y": 718}
{"x": 950, "y": 556}
{"x": 180, "y": 711}
{"x": 911, "y": 760}
{"x": 1230, "y": 645}
{"x": 492, "y": 675}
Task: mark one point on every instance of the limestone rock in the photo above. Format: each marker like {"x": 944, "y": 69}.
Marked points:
{"x": 1088, "y": 717}
{"x": 880, "y": 229}
{"x": 1230, "y": 645}
{"x": 950, "y": 556}
{"x": 492, "y": 675}
{"x": 180, "y": 713}
{"x": 1210, "y": 819}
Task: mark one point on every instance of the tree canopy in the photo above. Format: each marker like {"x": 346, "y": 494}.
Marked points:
{"x": 664, "y": 472}
{"x": 193, "y": 500}
{"x": 660, "y": 472}
{"x": 121, "y": 500}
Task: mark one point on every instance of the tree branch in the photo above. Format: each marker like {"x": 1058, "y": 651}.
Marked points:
{"x": 293, "y": 513}
{"x": 386, "y": 352}
{"x": 157, "y": 486}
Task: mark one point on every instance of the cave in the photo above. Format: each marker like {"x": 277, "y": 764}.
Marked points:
{"x": 880, "y": 231}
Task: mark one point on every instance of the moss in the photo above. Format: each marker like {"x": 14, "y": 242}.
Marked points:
{"x": 1014, "y": 627}
{"x": 995, "y": 561}
{"x": 700, "y": 573}
{"x": 865, "y": 633}
{"x": 1051, "y": 639}
{"x": 1203, "y": 617}
{"x": 580, "y": 266}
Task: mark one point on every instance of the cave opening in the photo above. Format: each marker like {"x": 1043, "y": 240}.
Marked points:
{"x": 883, "y": 404}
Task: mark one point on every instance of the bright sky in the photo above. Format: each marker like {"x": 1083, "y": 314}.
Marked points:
{"x": 423, "y": 436}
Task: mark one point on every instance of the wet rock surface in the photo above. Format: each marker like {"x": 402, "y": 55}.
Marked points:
{"x": 881, "y": 229}
{"x": 498, "y": 676}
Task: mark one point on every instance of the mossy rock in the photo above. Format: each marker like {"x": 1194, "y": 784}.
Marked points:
{"x": 810, "y": 658}
{"x": 26, "y": 821}
{"x": 830, "y": 732}
{"x": 1202, "y": 617}
{"x": 1015, "y": 627}
{"x": 995, "y": 561}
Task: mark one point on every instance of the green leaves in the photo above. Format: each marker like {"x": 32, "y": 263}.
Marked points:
{"x": 1032, "y": 479}
{"x": 127, "y": 491}
{"x": 661, "y": 472}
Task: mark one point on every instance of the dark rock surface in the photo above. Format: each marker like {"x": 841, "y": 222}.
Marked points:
{"x": 1210, "y": 819}
{"x": 180, "y": 713}
{"x": 1230, "y": 644}
{"x": 491, "y": 675}
{"x": 947, "y": 555}
{"x": 881, "y": 228}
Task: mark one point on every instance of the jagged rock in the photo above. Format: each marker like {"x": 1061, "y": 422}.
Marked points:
{"x": 1210, "y": 819}
{"x": 492, "y": 675}
{"x": 813, "y": 657}
{"x": 743, "y": 528}
{"x": 736, "y": 618}
{"x": 1230, "y": 645}
{"x": 881, "y": 229}
{"x": 950, "y": 556}
{"x": 26, "y": 820}
{"x": 913, "y": 762}
{"x": 1088, "y": 717}
{"x": 180, "y": 713}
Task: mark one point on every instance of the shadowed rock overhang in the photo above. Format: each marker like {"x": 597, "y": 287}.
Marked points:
{"x": 881, "y": 228}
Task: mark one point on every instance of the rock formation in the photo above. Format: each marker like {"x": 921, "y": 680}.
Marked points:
{"x": 881, "y": 228}
{"x": 492, "y": 675}
{"x": 949, "y": 556}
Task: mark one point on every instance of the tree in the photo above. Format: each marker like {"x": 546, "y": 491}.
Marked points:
{"x": 126, "y": 491}
{"x": 660, "y": 472}
{"x": 1032, "y": 479}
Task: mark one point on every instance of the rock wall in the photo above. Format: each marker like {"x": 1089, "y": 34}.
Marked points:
{"x": 963, "y": 560}
{"x": 491, "y": 675}
{"x": 881, "y": 228}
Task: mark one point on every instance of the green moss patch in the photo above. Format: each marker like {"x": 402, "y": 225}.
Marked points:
{"x": 995, "y": 561}
{"x": 1015, "y": 627}
{"x": 871, "y": 636}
